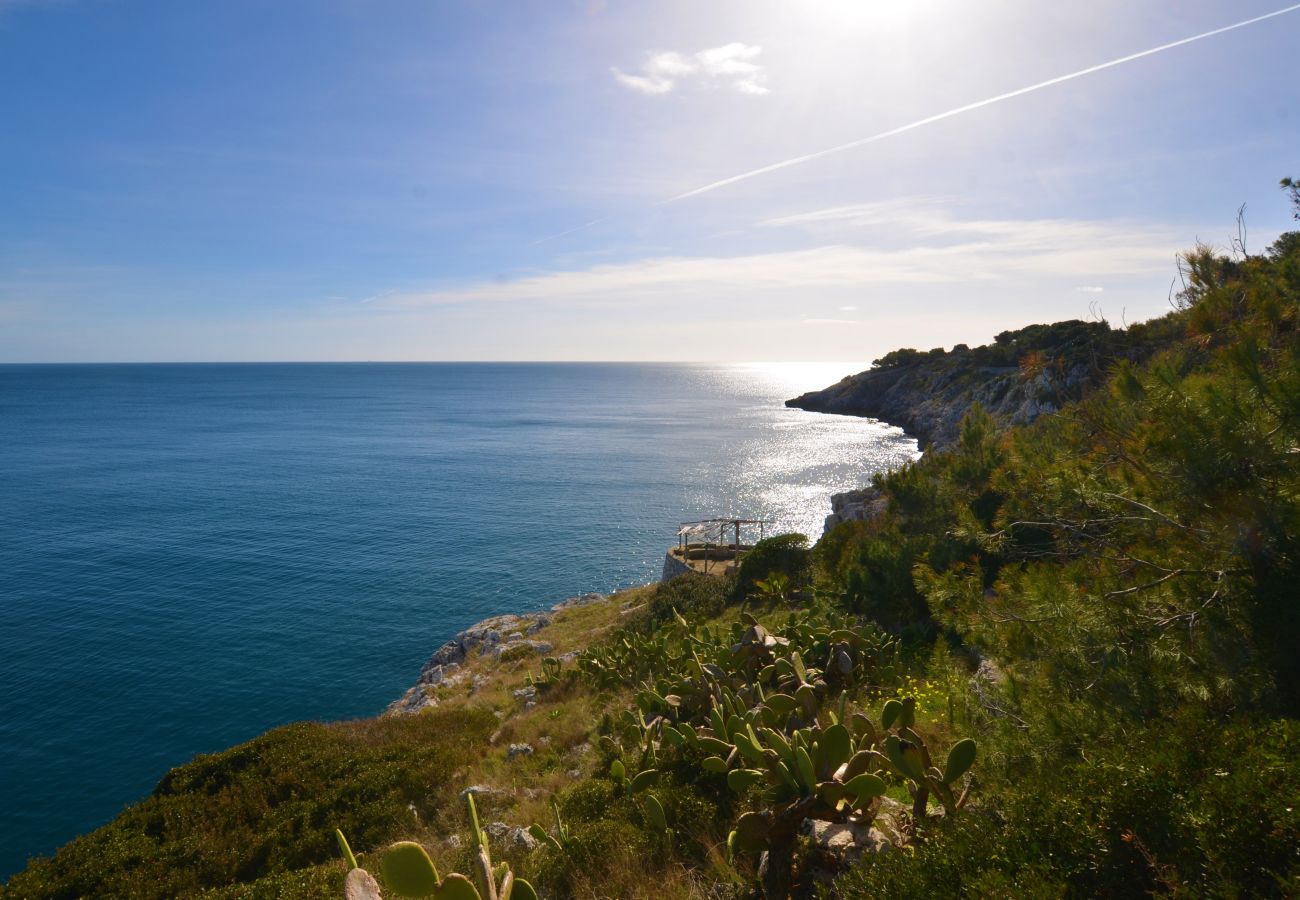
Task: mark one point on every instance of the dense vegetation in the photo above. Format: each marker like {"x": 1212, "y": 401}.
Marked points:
{"x": 1105, "y": 602}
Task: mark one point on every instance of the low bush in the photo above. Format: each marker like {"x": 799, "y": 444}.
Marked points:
{"x": 692, "y": 594}
{"x": 787, "y": 554}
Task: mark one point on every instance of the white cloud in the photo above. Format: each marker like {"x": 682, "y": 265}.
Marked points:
{"x": 644, "y": 83}
{"x": 1089, "y": 289}
{"x": 731, "y": 65}
{"x": 932, "y": 247}
{"x": 848, "y": 309}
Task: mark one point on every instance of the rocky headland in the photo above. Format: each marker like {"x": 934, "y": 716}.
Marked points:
{"x": 928, "y": 399}
{"x": 1023, "y": 375}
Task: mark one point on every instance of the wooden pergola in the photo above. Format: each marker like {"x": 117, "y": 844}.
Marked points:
{"x": 708, "y": 529}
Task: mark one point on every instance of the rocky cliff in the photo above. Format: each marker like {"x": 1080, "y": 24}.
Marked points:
{"x": 1020, "y": 377}
{"x": 930, "y": 401}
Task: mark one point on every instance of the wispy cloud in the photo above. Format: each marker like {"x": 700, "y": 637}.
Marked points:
{"x": 731, "y": 65}
{"x": 1090, "y": 289}
{"x": 933, "y": 246}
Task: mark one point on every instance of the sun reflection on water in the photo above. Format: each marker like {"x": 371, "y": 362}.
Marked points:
{"x": 787, "y": 463}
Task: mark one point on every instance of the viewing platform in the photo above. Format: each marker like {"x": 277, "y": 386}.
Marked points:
{"x": 711, "y": 546}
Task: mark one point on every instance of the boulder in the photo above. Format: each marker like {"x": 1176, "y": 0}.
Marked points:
{"x": 840, "y": 844}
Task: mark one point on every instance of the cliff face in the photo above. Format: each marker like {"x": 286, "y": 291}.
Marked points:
{"x": 1021, "y": 376}
{"x": 929, "y": 400}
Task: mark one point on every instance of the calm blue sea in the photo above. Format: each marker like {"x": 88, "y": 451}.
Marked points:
{"x": 192, "y": 554}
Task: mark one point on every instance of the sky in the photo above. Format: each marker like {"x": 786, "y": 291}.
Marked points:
{"x": 482, "y": 180}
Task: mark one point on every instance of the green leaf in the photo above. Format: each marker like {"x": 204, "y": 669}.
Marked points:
{"x": 715, "y": 764}
{"x": 751, "y": 831}
{"x": 863, "y": 728}
{"x": 836, "y": 748}
{"x": 643, "y": 780}
{"x": 408, "y": 871}
{"x": 830, "y": 791}
{"x": 960, "y": 758}
{"x": 458, "y": 887}
{"x": 750, "y": 750}
{"x": 890, "y": 713}
{"x": 742, "y": 779}
{"x": 347, "y": 851}
{"x": 714, "y": 746}
{"x": 806, "y": 773}
{"x": 654, "y": 811}
{"x": 781, "y": 704}
{"x": 523, "y": 891}
{"x": 865, "y": 786}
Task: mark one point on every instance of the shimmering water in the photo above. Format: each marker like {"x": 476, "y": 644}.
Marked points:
{"x": 190, "y": 555}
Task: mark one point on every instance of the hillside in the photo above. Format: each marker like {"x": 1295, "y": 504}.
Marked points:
{"x": 1057, "y": 660}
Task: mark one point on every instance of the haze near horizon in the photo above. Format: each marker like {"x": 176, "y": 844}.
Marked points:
{"x": 594, "y": 180}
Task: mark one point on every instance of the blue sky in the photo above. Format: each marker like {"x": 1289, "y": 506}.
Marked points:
{"x": 338, "y": 179}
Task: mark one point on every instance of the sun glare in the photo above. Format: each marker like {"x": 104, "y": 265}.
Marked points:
{"x": 867, "y": 14}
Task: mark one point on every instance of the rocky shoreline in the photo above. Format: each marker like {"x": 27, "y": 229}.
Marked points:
{"x": 502, "y": 638}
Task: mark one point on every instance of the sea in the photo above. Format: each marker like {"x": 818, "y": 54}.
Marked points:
{"x": 192, "y": 554}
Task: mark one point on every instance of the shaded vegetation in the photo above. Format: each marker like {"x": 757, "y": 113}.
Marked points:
{"x": 266, "y": 810}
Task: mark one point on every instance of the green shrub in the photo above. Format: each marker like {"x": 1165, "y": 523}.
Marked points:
{"x": 787, "y": 554}
{"x": 694, "y": 595}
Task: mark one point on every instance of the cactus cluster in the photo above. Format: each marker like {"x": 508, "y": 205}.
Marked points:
{"x": 681, "y": 668}
{"x": 409, "y": 872}
{"x": 769, "y": 711}
{"x": 834, "y": 772}
{"x": 552, "y": 673}
{"x": 910, "y": 758}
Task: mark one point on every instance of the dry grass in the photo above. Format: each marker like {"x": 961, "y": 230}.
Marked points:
{"x": 560, "y": 727}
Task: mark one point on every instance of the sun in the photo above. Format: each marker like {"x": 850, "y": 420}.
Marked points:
{"x": 874, "y": 15}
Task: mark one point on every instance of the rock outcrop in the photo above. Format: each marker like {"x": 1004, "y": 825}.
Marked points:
{"x": 501, "y": 638}
{"x": 861, "y": 505}
{"x": 1022, "y": 375}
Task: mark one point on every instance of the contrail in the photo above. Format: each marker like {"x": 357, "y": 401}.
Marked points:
{"x": 929, "y": 120}
{"x": 582, "y": 227}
